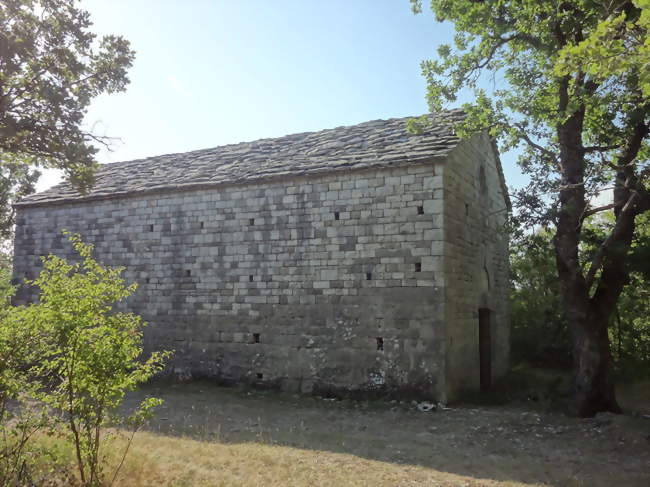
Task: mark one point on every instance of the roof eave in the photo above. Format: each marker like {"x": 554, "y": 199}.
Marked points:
{"x": 178, "y": 188}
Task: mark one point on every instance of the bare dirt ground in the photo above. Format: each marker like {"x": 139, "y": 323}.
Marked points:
{"x": 496, "y": 445}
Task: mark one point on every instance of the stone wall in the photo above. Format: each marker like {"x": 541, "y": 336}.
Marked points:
{"x": 476, "y": 265}
{"x": 328, "y": 284}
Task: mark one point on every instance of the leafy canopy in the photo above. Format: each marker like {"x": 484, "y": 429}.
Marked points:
{"x": 51, "y": 67}
{"x": 532, "y": 65}
{"x": 618, "y": 47}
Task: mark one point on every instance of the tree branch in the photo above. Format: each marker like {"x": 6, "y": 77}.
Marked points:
{"x": 634, "y": 144}
{"x": 534, "y": 42}
{"x": 628, "y": 189}
{"x": 600, "y": 148}
{"x": 587, "y": 213}
{"x": 534, "y": 145}
{"x": 597, "y": 261}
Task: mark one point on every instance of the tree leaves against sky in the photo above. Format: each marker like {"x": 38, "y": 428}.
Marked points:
{"x": 51, "y": 67}
{"x": 507, "y": 53}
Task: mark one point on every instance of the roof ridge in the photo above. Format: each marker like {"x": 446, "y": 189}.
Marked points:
{"x": 295, "y": 134}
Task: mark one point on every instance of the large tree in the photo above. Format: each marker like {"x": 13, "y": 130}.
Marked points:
{"x": 568, "y": 83}
{"x": 51, "y": 67}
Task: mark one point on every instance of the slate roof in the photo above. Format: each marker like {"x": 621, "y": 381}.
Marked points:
{"x": 371, "y": 144}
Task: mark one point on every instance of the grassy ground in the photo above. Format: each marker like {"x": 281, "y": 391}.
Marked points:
{"x": 210, "y": 436}
{"x": 163, "y": 460}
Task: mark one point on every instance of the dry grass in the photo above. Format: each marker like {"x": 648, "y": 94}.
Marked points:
{"x": 210, "y": 436}
{"x": 168, "y": 461}
{"x": 157, "y": 460}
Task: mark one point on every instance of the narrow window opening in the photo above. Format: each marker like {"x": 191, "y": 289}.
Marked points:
{"x": 482, "y": 180}
{"x": 260, "y": 375}
{"x": 380, "y": 344}
{"x": 202, "y": 224}
{"x": 251, "y": 221}
{"x": 337, "y": 215}
{"x": 188, "y": 272}
{"x": 256, "y": 337}
{"x": 420, "y": 210}
{"x": 368, "y": 276}
{"x": 418, "y": 267}
{"x": 147, "y": 280}
{"x": 151, "y": 228}
{"x": 466, "y": 209}
{"x": 250, "y": 278}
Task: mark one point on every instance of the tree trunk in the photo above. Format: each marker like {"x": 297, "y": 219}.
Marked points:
{"x": 593, "y": 388}
{"x": 588, "y": 315}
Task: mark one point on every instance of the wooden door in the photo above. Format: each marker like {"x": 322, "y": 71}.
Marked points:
{"x": 485, "y": 348}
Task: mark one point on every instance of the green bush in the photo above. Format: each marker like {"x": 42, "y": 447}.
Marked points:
{"x": 83, "y": 356}
{"x": 540, "y": 333}
{"x": 539, "y": 329}
{"x": 19, "y": 420}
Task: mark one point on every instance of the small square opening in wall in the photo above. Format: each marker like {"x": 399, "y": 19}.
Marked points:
{"x": 151, "y": 228}
{"x": 256, "y": 337}
{"x": 147, "y": 280}
{"x": 251, "y": 278}
{"x": 368, "y": 276}
{"x": 188, "y": 272}
{"x": 420, "y": 210}
{"x": 418, "y": 267}
{"x": 251, "y": 221}
{"x": 380, "y": 344}
{"x": 337, "y": 215}
{"x": 259, "y": 375}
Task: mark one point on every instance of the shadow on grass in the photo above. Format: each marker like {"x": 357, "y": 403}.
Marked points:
{"x": 504, "y": 442}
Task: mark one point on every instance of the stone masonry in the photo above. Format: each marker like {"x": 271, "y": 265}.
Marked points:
{"x": 352, "y": 260}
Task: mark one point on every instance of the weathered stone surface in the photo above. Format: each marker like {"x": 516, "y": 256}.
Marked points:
{"x": 378, "y": 143}
{"x": 364, "y": 280}
{"x": 475, "y": 261}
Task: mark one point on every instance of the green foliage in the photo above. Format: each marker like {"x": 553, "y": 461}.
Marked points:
{"x": 6, "y": 288}
{"x": 565, "y": 83}
{"x": 17, "y": 179}
{"x": 629, "y": 330}
{"x": 51, "y": 67}
{"x": 19, "y": 419}
{"x": 539, "y": 327}
{"x": 619, "y": 47}
{"x": 540, "y": 332}
{"x": 88, "y": 354}
{"x": 529, "y": 73}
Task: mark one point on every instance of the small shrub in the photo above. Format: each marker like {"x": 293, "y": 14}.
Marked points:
{"x": 89, "y": 355}
{"x": 19, "y": 418}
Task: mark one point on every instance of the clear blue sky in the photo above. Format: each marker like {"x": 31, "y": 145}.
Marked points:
{"x": 212, "y": 72}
